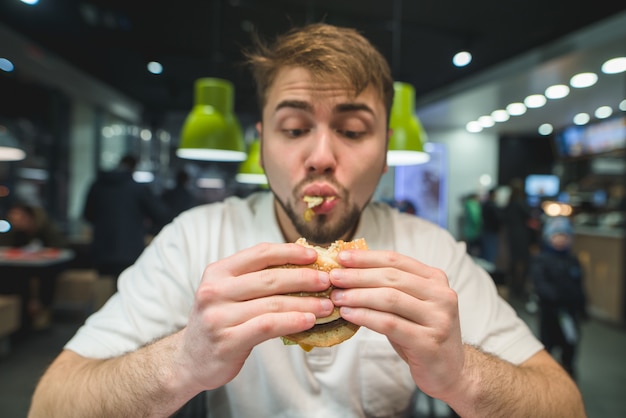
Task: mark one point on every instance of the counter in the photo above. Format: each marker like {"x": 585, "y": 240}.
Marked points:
{"x": 601, "y": 252}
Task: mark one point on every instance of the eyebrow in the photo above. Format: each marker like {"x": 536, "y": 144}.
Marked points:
{"x": 353, "y": 107}
{"x": 340, "y": 108}
{"x": 294, "y": 104}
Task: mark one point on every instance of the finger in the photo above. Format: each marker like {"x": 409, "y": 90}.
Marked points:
{"x": 265, "y": 255}
{"x": 390, "y": 259}
{"x": 394, "y": 327}
{"x": 415, "y": 285}
{"x": 267, "y": 282}
{"x": 432, "y": 313}
{"x": 246, "y": 311}
{"x": 272, "y": 325}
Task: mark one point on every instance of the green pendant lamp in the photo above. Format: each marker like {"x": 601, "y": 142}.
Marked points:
{"x": 9, "y": 148}
{"x": 211, "y": 131}
{"x": 406, "y": 145}
{"x": 250, "y": 171}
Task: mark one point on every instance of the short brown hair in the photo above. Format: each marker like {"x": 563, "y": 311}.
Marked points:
{"x": 323, "y": 50}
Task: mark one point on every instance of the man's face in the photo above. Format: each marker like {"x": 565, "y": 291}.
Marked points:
{"x": 318, "y": 140}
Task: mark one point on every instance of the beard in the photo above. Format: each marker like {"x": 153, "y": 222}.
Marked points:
{"x": 322, "y": 230}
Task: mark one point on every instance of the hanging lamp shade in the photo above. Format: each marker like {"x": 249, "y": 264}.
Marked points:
{"x": 211, "y": 131}
{"x": 9, "y": 147}
{"x": 406, "y": 145}
{"x": 250, "y": 171}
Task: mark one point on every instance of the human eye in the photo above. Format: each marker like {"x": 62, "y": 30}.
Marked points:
{"x": 351, "y": 128}
{"x": 295, "y": 133}
{"x": 350, "y": 134}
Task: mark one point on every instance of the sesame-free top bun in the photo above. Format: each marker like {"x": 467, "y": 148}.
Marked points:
{"x": 333, "y": 329}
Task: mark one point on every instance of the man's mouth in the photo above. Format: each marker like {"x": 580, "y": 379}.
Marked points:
{"x": 317, "y": 204}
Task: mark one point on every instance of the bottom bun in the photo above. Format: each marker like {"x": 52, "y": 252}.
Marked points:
{"x": 324, "y": 335}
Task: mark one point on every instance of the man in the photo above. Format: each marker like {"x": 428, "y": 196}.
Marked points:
{"x": 120, "y": 211}
{"x": 179, "y": 198}
{"x": 200, "y": 311}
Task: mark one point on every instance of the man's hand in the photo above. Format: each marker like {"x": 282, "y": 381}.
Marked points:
{"x": 409, "y": 302}
{"x": 413, "y": 305}
{"x": 241, "y": 302}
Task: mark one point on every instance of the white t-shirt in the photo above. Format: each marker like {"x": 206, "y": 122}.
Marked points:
{"x": 362, "y": 377}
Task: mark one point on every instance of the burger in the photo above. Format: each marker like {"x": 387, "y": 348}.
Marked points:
{"x": 332, "y": 329}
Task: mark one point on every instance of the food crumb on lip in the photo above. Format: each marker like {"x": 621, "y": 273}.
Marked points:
{"x": 312, "y": 202}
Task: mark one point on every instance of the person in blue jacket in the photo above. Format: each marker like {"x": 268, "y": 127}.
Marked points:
{"x": 559, "y": 284}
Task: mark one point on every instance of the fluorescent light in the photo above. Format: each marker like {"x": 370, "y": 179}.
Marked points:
{"x": 583, "y": 80}
{"x": 614, "y": 65}
{"x": 500, "y": 115}
{"x": 473, "y": 127}
{"x": 557, "y": 91}
{"x": 603, "y": 112}
{"x": 545, "y": 129}
{"x": 155, "y": 67}
{"x": 5, "y": 226}
{"x": 6, "y": 65}
{"x": 143, "y": 176}
{"x": 462, "y": 58}
{"x": 535, "y": 100}
{"x": 486, "y": 121}
{"x": 622, "y": 105}
{"x": 581, "y": 119}
{"x": 516, "y": 109}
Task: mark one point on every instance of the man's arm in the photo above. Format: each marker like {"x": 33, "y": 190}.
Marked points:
{"x": 492, "y": 387}
{"x": 143, "y": 382}
{"x": 239, "y": 304}
{"x": 414, "y": 306}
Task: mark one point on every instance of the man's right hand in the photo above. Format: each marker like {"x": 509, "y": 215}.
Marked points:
{"x": 240, "y": 303}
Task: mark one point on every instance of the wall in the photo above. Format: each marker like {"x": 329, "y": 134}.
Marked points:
{"x": 470, "y": 156}
{"x": 81, "y": 161}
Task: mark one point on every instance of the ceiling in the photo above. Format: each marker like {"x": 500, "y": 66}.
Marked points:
{"x": 113, "y": 40}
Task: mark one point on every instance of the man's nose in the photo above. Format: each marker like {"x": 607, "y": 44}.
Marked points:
{"x": 322, "y": 157}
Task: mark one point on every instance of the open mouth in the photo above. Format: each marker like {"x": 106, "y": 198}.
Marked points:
{"x": 312, "y": 203}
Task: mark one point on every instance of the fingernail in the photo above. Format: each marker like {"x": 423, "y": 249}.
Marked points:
{"x": 323, "y": 277}
{"x": 337, "y": 295}
{"x": 344, "y": 256}
{"x": 327, "y": 304}
{"x": 337, "y": 274}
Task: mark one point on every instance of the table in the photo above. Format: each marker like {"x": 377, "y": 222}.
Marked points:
{"x": 31, "y": 274}
{"x": 44, "y": 257}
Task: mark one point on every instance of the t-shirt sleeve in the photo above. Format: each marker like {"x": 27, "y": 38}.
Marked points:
{"x": 154, "y": 297}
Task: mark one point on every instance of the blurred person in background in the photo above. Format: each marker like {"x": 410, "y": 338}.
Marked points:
{"x": 558, "y": 281}
{"x": 517, "y": 218}
{"x": 179, "y": 198}
{"x": 32, "y": 230}
{"x": 30, "y": 226}
{"x": 472, "y": 224}
{"x": 491, "y": 222}
{"x": 122, "y": 213}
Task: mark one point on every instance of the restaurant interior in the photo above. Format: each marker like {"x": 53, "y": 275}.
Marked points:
{"x": 540, "y": 99}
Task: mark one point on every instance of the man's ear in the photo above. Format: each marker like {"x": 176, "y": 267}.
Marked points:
{"x": 389, "y": 133}
{"x": 259, "y": 130}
